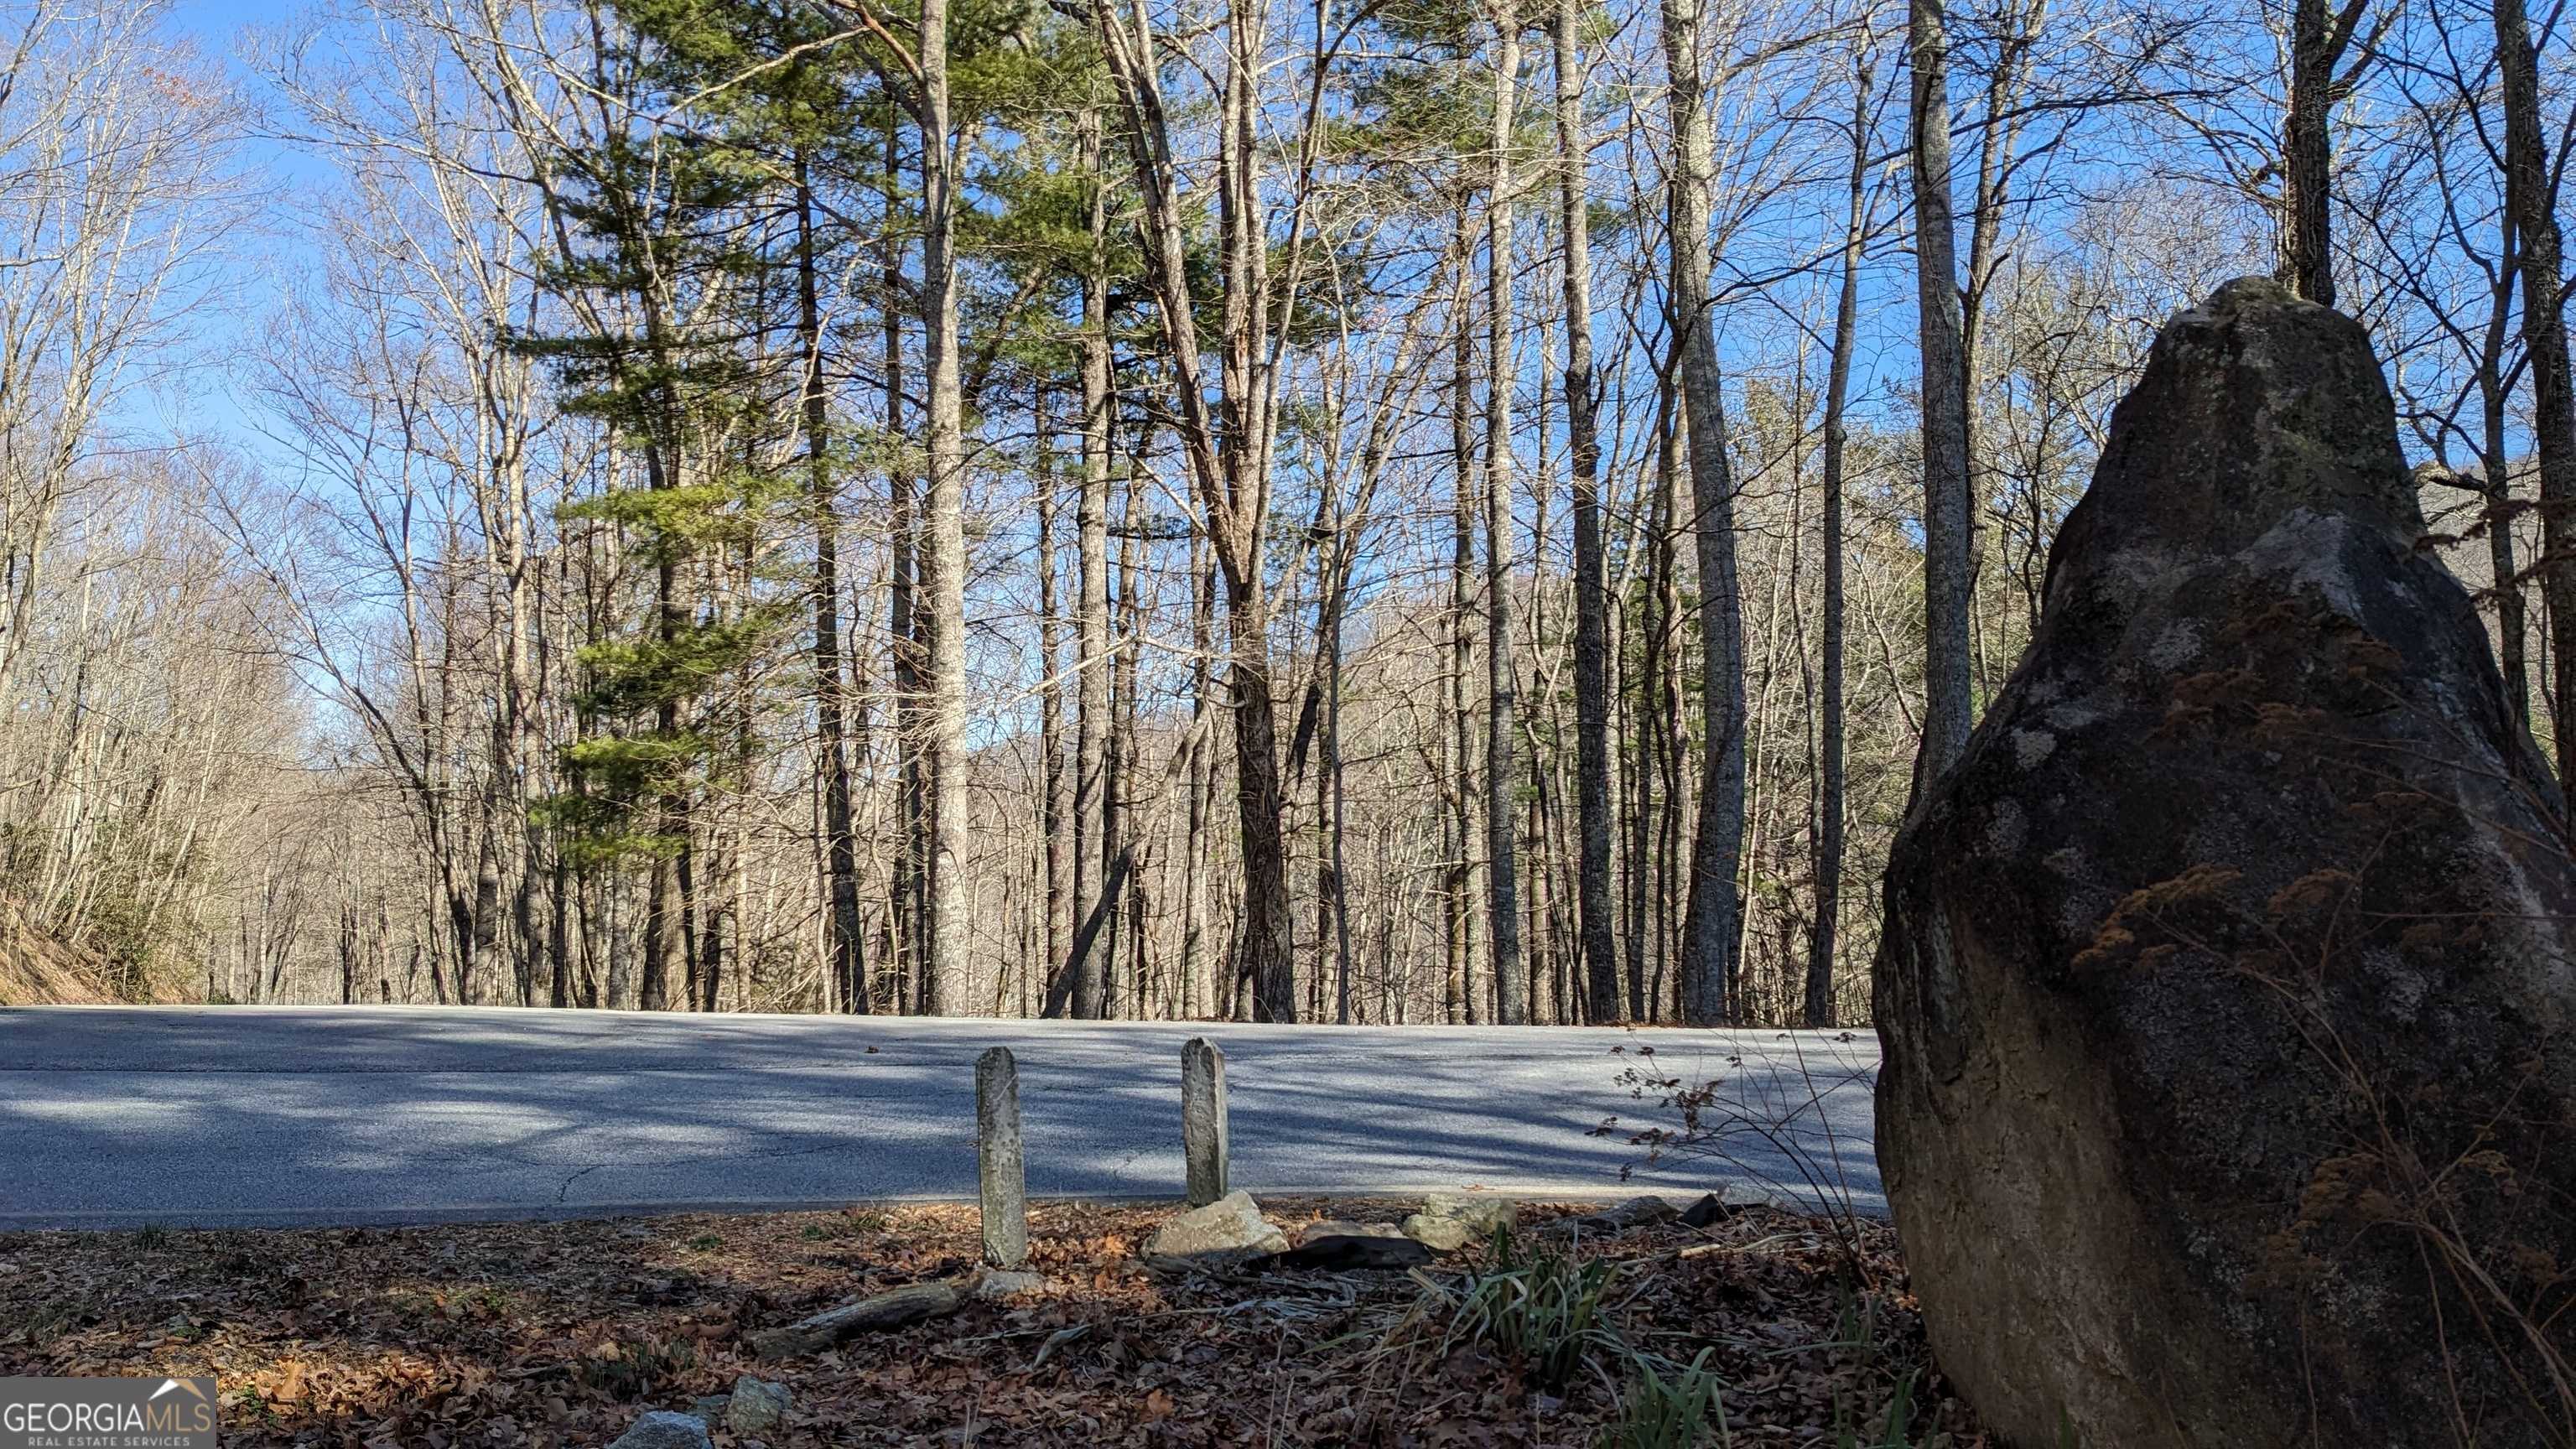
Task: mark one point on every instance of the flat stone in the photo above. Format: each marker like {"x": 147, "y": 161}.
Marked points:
{"x": 1227, "y": 1233}
{"x": 1321, "y": 1228}
{"x": 710, "y": 1410}
{"x": 758, "y": 1406}
{"x": 1336, "y": 1245}
{"x": 662, "y": 1429}
{"x": 1636, "y": 1212}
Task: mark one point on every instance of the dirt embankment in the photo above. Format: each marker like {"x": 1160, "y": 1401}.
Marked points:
{"x": 37, "y": 970}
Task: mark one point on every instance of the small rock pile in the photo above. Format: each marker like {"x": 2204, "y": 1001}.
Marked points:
{"x": 1231, "y": 1233}
{"x": 755, "y": 1409}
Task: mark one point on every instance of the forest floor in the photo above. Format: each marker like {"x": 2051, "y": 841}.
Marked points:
{"x": 563, "y": 1333}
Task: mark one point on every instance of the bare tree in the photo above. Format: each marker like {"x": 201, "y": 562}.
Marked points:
{"x": 1591, "y": 581}
{"x": 2319, "y": 39}
{"x": 1502, "y": 873}
{"x": 1948, "y": 542}
{"x": 2531, "y": 200}
{"x": 1229, "y": 450}
{"x": 1830, "y": 801}
{"x": 1713, "y": 916}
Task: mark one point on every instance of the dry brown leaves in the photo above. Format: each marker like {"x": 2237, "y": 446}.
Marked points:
{"x": 541, "y": 1334}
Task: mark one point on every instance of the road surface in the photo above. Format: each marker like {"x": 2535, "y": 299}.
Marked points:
{"x": 238, "y": 1116}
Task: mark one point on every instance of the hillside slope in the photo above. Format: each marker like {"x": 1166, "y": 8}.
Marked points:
{"x": 36, "y": 970}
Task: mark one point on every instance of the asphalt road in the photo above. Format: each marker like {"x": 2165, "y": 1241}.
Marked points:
{"x": 215, "y": 1116}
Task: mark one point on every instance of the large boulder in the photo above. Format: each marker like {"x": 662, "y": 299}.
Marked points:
{"x": 2226, "y": 981}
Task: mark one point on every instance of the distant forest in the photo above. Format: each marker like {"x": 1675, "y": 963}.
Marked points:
{"x": 1370, "y": 512}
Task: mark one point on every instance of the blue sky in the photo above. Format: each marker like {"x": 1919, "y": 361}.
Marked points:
{"x": 210, "y": 396}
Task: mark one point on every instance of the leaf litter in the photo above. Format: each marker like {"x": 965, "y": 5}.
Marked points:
{"x": 561, "y": 1333}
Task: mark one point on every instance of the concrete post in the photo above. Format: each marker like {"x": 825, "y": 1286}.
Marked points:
{"x": 1203, "y": 1130}
{"x": 1001, "y": 1170}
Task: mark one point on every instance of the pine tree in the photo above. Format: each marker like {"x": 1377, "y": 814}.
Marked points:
{"x": 665, "y": 267}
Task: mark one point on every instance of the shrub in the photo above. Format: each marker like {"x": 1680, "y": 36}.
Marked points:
{"x": 1546, "y": 1310}
{"x": 1666, "y": 1411}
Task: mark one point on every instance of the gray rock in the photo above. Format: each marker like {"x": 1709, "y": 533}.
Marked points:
{"x": 1636, "y": 1212}
{"x": 1226, "y": 1233}
{"x": 1321, "y": 1229}
{"x": 1441, "y": 1235}
{"x": 2244, "y": 911}
{"x": 1708, "y": 1210}
{"x": 710, "y": 1410}
{"x": 758, "y": 1406}
{"x": 1451, "y": 1220}
{"x": 1735, "y": 1197}
{"x": 1484, "y": 1213}
{"x": 662, "y": 1429}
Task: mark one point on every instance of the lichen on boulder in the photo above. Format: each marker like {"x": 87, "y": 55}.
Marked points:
{"x": 2225, "y": 989}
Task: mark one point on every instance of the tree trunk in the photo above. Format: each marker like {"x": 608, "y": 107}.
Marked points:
{"x": 2495, "y": 474}
{"x": 1502, "y": 875}
{"x": 1090, "y": 972}
{"x": 1947, "y": 567}
{"x": 1645, "y": 863}
{"x": 943, "y": 553}
{"x": 1198, "y": 952}
{"x": 1228, "y": 453}
{"x": 2307, "y": 158}
{"x": 1120, "y": 835}
{"x": 2531, "y": 199}
{"x": 1461, "y": 988}
{"x": 1591, "y": 564}
{"x": 844, "y": 958}
{"x": 1339, "y": 885}
{"x": 1711, "y": 917}
{"x": 1671, "y": 729}
{"x": 666, "y": 920}
{"x": 1829, "y": 802}
{"x": 1055, "y": 803}
{"x": 905, "y": 923}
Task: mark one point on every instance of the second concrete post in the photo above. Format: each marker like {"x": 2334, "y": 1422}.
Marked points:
{"x": 1203, "y": 1131}
{"x": 1001, "y": 1170}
